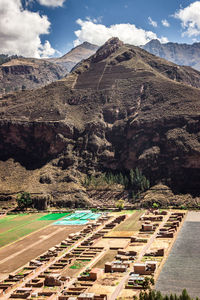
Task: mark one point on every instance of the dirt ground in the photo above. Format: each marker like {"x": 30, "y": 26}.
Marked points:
{"x": 110, "y": 243}
{"x": 107, "y": 284}
{"x": 108, "y": 257}
{"x": 21, "y": 252}
{"x": 127, "y": 294}
{"x": 160, "y": 243}
{"x": 129, "y": 227}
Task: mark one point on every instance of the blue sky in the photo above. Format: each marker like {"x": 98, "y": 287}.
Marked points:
{"x": 53, "y": 24}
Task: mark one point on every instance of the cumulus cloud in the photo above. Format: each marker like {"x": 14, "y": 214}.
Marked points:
{"x": 164, "y": 40}
{"x": 190, "y": 19}
{"x": 153, "y": 23}
{"x": 53, "y": 3}
{"x": 98, "y": 34}
{"x": 165, "y": 23}
{"x": 20, "y": 31}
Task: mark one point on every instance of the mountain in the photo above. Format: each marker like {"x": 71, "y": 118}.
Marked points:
{"x": 181, "y": 54}
{"x": 73, "y": 57}
{"x": 17, "y": 73}
{"x": 28, "y": 73}
{"x": 120, "y": 109}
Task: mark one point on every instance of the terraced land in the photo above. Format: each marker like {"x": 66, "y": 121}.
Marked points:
{"x": 182, "y": 267}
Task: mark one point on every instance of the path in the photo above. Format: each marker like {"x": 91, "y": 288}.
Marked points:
{"x": 120, "y": 286}
{"x": 101, "y": 77}
{"x": 47, "y": 265}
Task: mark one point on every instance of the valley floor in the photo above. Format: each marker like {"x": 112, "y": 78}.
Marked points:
{"x": 97, "y": 258}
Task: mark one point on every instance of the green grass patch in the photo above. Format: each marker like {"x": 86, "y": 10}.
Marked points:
{"x": 76, "y": 265}
{"x": 53, "y": 217}
{"x": 13, "y": 227}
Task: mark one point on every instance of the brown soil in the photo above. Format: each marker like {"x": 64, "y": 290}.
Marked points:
{"x": 113, "y": 242}
{"x": 108, "y": 257}
{"x": 45, "y": 238}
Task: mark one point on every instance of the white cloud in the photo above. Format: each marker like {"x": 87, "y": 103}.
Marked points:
{"x": 20, "y": 30}
{"x": 98, "y": 34}
{"x": 153, "y": 23}
{"x": 165, "y": 23}
{"x": 46, "y": 50}
{"x": 53, "y": 3}
{"x": 164, "y": 40}
{"x": 190, "y": 18}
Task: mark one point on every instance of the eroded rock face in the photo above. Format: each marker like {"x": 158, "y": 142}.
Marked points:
{"x": 122, "y": 111}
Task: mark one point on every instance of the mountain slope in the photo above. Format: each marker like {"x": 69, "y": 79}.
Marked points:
{"x": 28, "y": 73}
{"x": 181, "y": 54}
{"x": 120, "y": 109}
{"x": 73, "y": 57}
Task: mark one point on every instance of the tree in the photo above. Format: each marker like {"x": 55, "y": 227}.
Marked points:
{"x": 24, "y": 200}
{"x": 120, "y": 204}
{"x": 155, "y": 205}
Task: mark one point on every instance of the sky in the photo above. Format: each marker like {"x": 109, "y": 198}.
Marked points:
{"x": 50, "y": 28}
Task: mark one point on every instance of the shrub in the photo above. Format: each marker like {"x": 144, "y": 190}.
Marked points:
{"x": 120, "y": 204}
{"x": 24, "y": 200}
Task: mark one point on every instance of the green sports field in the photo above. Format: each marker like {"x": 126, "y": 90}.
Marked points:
{"x": 14, "y": 227}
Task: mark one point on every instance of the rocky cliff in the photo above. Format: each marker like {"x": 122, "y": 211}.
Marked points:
{"x": 120, "y": 109}
{"x": 181, "y": 54}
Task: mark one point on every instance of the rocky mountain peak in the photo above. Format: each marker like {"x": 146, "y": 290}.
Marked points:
{"x": 154, "y": 43}
{"x": 89, "y": 46}
{"x": 111, "y": 46}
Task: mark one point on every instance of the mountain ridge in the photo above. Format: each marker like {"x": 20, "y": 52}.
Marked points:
{"x": 120, "y": 109}
{"x": 181, "y": 54}
{"x": 17, "y": 73}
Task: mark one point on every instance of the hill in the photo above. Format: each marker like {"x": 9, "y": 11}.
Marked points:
{"x": 181, "y": 54}
{"x": 28, "y": 73}
{"x": 120, "y": 109}
{"x": 17, "y": 73}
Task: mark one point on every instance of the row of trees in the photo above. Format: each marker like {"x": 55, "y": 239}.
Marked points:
{"x": 134, "y": 181}
{"x": 153, "y": 295}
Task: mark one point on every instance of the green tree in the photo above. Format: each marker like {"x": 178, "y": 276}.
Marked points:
{"x": 155, "y": 205}
{"x": 120, "y": 204}
{"x": 146, "y": 283}
{"x": 24, "y": 200}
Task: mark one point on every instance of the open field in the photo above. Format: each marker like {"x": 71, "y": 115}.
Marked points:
{"x": 108, "y": 257}
{"x": 19, "y": 253}
{"x": 128, "y": 227}
{"x": 13, "y": 227}
{"x": 112, "y": 243}
{"x": 181, "y": 269}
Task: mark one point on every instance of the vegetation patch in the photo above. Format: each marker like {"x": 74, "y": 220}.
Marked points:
{"x": 77, "y": 265}
{"x": 53, "y": 217}
{"x": 134, "y": 181}
{"x": 13, "y": 227}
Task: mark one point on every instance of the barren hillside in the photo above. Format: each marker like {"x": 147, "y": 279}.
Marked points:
{"x": 120, "y": 109}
